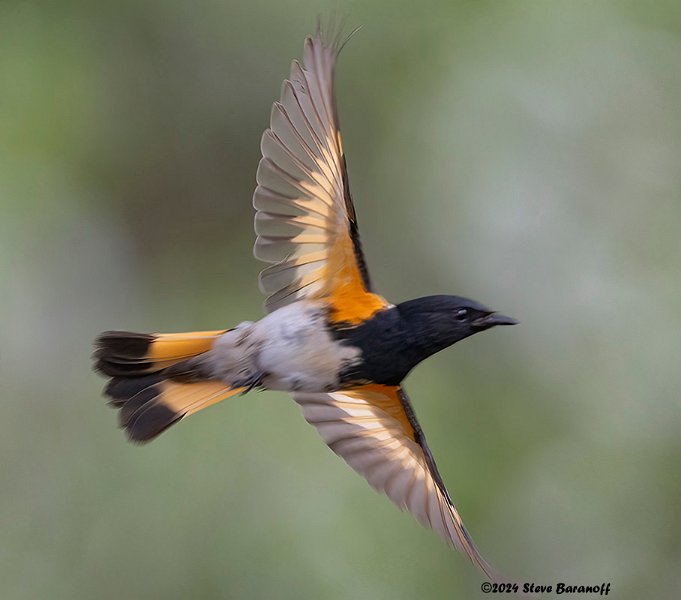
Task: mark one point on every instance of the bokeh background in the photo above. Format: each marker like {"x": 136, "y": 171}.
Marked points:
{"x": 525, "y": 153}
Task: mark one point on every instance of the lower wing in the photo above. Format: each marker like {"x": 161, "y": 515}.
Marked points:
{"x": 374, "y": 429}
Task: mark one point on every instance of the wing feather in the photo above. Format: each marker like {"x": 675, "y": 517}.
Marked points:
{"x": 375, "y": 431}
{"x": 305, "y": 221}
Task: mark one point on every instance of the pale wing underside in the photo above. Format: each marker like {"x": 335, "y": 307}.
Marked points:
{"x": 357, "y": 426}
{"x": 302, "y": 222}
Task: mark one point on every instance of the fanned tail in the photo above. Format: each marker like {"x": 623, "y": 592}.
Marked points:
{"x": 151, "y": 382}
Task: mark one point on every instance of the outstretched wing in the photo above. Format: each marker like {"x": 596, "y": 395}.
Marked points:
{"x": 374, "y": 429}
{"x": 305, "y": 220}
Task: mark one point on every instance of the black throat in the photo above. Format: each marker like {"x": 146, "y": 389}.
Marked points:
{"x": 395, "y": 340}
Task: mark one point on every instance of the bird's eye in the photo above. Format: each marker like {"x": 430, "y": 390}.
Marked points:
{"x": 462, "y": 314}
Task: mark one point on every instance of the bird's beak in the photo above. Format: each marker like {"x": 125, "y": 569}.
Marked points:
{"x": 492, "y": 320}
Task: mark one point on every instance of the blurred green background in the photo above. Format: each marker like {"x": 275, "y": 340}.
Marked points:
{"x": 525, "y": 154}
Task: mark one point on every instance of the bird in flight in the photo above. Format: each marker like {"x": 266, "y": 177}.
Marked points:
{"x": 327, "y": 337}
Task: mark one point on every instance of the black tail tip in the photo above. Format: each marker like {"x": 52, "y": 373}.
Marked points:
{"x": 141, "y": 410}
{"x": 121, "y": 353}
{"x": 151, "y": 423}
{"x": 123, "y": 344}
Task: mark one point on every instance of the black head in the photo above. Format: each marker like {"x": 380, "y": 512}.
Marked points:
{"x": 394, "y": 341}
{"x": 441, "y": 321}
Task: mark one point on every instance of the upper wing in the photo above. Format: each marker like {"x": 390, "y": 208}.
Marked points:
{"x": 305, "y": 221}
{"x": 374, "y": 429}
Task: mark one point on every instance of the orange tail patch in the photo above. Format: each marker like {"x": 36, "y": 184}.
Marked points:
{"x": 148, "y": 399}
{"x": 127, "y": 354}
{"x": 149, "y": 405}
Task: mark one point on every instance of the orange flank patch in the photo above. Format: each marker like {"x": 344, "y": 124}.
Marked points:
{"x": 386, "y": 398}
{"x": 172, "y": 346}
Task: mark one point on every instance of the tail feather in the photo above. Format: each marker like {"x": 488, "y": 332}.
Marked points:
{"x": 127, "y": 354}
{"x": 151, "y": 396}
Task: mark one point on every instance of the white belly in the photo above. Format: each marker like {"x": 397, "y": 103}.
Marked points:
{"x": 291, "y": 349}
{"x": 297, "y": 351}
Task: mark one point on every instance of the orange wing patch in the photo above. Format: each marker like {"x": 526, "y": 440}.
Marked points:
{"x": 386, "y": 398}
{"x": 350, "y": 301}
